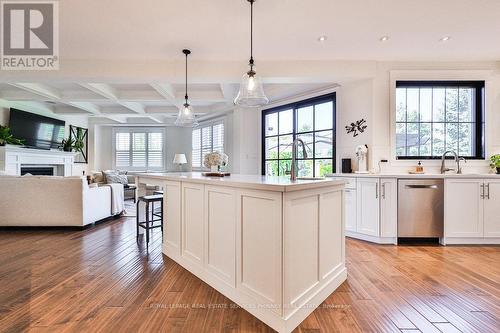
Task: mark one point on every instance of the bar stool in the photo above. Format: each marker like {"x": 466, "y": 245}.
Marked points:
{"x": 148, "y": 224}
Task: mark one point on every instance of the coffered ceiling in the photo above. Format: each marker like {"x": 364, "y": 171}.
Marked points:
{"x": 133, "y": 102}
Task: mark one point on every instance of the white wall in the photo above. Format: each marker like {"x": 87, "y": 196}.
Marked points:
{"x": 354, "y": 102}
{"x": 4, "y": 116}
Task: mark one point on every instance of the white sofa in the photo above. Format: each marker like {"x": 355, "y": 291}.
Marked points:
{"x": 52, "y": 201}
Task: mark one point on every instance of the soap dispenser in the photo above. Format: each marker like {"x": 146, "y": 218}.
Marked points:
{"x": 419, "y": 168}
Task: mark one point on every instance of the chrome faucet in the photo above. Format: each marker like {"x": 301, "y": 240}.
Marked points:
{"x": 457, "y": 160}
{"x": 295, "y": 169}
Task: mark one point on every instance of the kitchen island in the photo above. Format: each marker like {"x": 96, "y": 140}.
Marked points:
{"x": 273, "y": 246}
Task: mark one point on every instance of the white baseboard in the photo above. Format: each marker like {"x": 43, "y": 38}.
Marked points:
{"x": 470, "y": 241}
{"x": 373, "y": 239}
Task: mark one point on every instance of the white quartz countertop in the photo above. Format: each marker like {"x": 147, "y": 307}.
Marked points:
{"x": 270, "y": 183}
{"x": 425, "y": 175}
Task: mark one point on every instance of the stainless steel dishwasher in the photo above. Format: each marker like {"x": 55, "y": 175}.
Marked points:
{"x": 420, "y": 208}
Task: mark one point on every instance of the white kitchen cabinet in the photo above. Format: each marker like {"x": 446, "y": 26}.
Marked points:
{"x": 368, "y": 207}
{"x": 389, "y": 208}
{"x": 350, "y": 210}
{"x": 463, "y": 208}
{"x": 491, "y": 208}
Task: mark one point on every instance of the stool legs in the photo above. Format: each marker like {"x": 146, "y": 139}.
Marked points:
{"x": 137, "y": 219}
{"x": 150, "y": 217}
{"x": 161, "y": 222}
{"x": 147, "y": 225}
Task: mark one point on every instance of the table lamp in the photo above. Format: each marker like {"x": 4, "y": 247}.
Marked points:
{"x": 180, "y": 159}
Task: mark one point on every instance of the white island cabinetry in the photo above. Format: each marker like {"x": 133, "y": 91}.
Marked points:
{"x": 274, "y": 247}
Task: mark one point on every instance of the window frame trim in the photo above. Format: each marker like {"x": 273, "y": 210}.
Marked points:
{"x": 480, "y": 104}
{"x": 132, "y": 129}
{"x": 329, "y": 97}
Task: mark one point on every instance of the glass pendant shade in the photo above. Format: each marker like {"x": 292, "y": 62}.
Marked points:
{"x": 251, "y": 92}
{"x": 186, "y": 117}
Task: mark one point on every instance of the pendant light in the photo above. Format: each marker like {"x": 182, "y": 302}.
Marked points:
{"x": 251, "y": 92}
{"x": 186, "y": 117}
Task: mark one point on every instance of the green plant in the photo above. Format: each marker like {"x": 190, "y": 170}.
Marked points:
{"x": 7, "y": 138}
{"x": 79, "y": 140}
{"x": 495, "y": 161}
{"x": 68, "y": 144}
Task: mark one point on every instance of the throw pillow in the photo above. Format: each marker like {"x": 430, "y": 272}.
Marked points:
{"x": 114, "y": 178}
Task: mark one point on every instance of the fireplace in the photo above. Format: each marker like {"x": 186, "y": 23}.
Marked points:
{"x": 38, "y": 170}
{"x": 15, "y": 160}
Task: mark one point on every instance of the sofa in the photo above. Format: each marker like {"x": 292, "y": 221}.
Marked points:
{"x": 52, "y": 201}
{"x": 96, "y": 177}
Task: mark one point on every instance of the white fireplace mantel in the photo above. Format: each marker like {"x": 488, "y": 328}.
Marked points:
{"x": 12, "y": 158}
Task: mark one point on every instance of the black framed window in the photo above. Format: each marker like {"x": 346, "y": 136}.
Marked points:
{"x": 311, "y": 120}
{"x": 435, "y": 116}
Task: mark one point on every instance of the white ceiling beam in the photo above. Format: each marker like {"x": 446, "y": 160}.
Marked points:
{"x": 102, "y": 89}
{"x": 168, "y": 92}
{"x": 41, "y": 108}
{"x": 53, "y": 95}
{"x": 156, "y": 119}
{"x": 117, "y": 119}
{"x": 203, "y": 96}
{"x": 162, "y": 110}
{"x": 107, "y": 91}
{"x": 39, "y": 89}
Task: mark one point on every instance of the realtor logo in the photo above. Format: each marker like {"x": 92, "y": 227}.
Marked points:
{"x": 30, "y": 35}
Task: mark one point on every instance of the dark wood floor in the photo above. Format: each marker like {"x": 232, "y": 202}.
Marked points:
{"x": 101, "y": 280}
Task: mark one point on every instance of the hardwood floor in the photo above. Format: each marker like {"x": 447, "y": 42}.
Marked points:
{"x": 101, "y": 280}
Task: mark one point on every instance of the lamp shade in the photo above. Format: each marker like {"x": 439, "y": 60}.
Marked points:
{"x": 186, "y": 117}
{"x": 180, "y": 159}
{"x": 251, "y": 92}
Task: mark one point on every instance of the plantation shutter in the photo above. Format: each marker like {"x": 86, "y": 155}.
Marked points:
{"x": 139, "y": 149}
{"x": 206, "y": 139}
{"x": 155, "y": 150}
{"x": 196, "y": 158}
{"x": 122, "y": 153}
{"x": 218, "y": 138}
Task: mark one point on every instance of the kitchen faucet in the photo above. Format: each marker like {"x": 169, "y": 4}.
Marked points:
{"x": 295, "y": 169}
{"x": 457, "y": 160}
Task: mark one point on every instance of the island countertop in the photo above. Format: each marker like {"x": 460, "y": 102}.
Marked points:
{"x": 269, "y": 183}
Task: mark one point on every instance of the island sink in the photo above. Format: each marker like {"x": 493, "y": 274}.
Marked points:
{"x": 273, "y": 246}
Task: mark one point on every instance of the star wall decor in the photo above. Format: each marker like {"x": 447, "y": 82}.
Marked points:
{"x": 357, "y": 127}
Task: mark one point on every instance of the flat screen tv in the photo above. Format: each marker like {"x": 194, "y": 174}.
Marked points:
{"x": 37, "y": 131}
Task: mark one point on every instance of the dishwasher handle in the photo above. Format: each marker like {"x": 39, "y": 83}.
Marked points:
{"x": 421, "y": 186}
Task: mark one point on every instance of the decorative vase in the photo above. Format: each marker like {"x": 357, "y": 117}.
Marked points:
{"x": 214, "y": 168}
{"x": 498, "y": 170}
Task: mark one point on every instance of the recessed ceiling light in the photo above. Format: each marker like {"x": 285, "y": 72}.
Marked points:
{"x": 322, "y": 38}
{"x": 384, "y": 38}
{"x": 445, "y": 39}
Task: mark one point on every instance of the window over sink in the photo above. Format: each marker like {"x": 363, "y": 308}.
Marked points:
{"x": 435, "y": 116}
